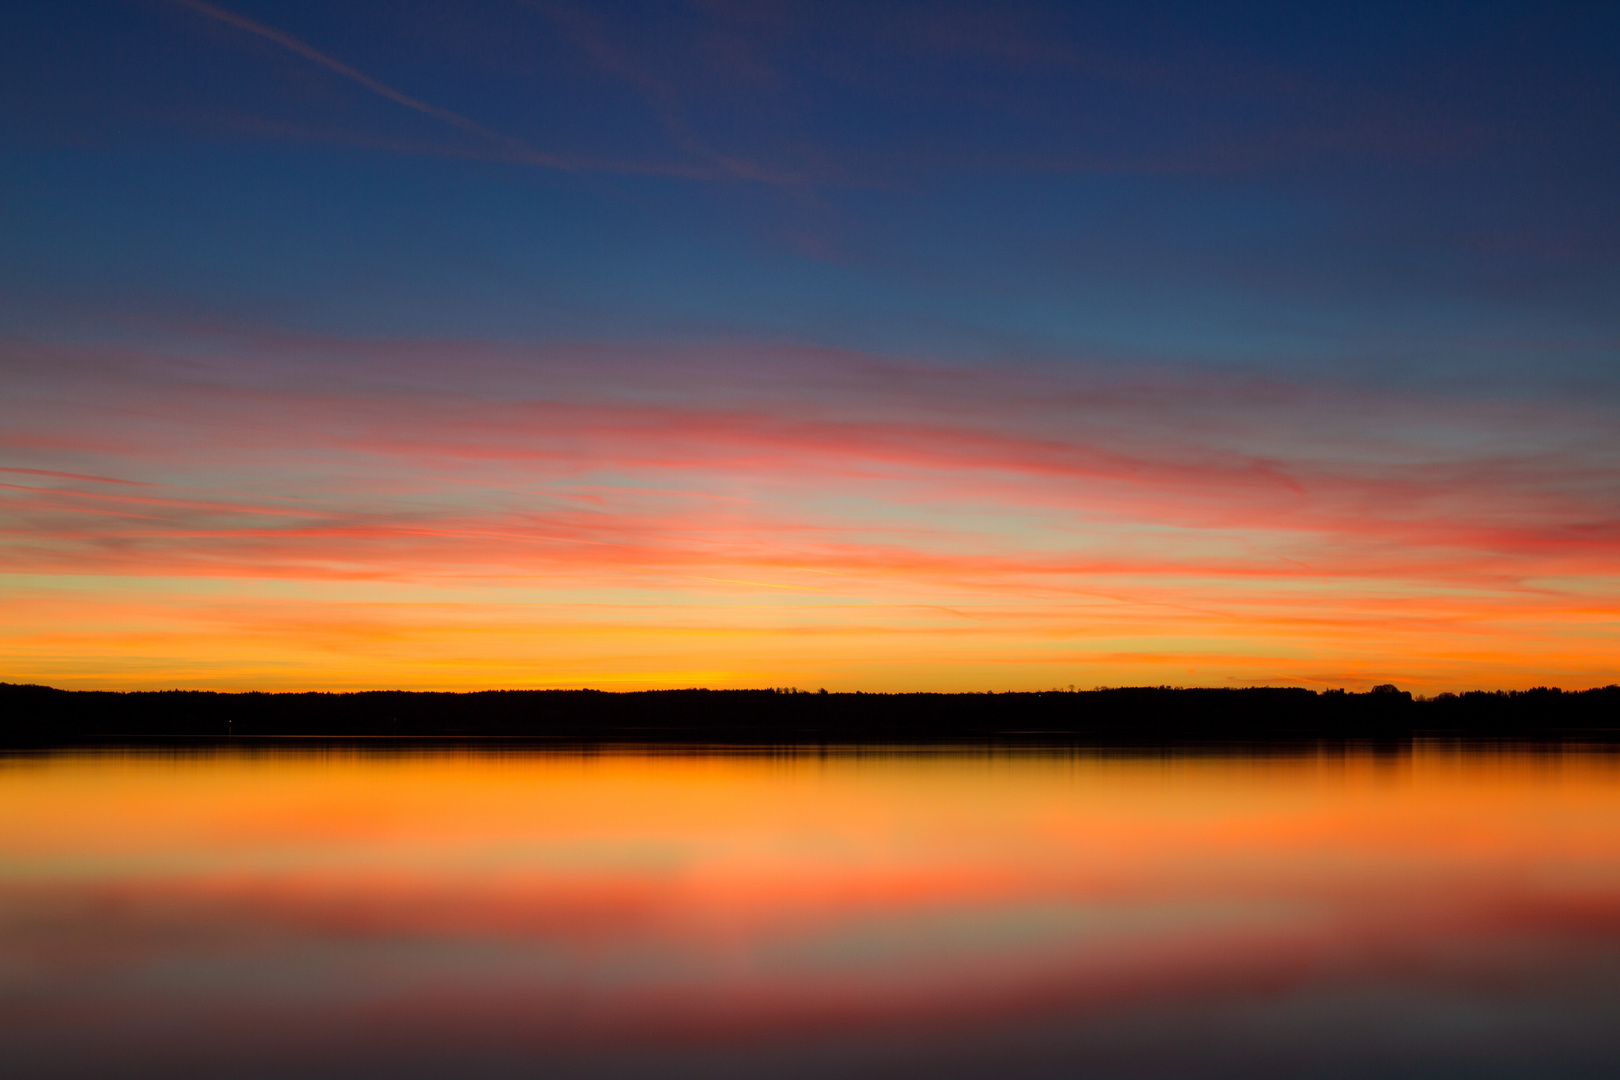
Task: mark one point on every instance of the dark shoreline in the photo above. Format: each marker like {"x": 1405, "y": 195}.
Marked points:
{"x": 36, "y": 717}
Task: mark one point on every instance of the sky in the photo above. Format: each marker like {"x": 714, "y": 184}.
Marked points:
{"x": 871, "y": 346}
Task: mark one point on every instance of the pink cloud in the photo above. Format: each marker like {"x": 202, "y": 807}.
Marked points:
{"x": 891, "y": 481}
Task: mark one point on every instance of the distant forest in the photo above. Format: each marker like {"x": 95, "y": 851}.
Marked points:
{"x": 39, "y": 716}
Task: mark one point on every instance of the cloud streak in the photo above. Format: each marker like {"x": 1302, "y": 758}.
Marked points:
{"x": 287, "y": 41}
{"x": 852, "y": 511}
{"x": 506, "y": 147}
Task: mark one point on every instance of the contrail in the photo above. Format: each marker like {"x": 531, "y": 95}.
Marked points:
{"x": 287, "y": 41}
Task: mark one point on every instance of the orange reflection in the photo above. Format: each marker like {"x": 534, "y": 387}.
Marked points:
{"x": 541, "y": 902}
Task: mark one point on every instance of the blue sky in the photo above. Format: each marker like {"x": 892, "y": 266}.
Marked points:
{"x": 1381, "y": 188}
{"x": 1370, "y": 247}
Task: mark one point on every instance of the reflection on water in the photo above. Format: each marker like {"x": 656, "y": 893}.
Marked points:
{"x": 938, "y": 914}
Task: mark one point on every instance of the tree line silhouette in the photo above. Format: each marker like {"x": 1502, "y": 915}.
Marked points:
{"x": 1124, "y": 716}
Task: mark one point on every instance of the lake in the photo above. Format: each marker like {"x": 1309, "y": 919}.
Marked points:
{"x": 1436, "y": 912}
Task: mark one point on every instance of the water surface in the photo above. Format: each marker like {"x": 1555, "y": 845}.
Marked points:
{"x": 1441, "y": 912}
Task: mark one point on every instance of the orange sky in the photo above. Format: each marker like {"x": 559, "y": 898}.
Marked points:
{"x": 799, "y": 518}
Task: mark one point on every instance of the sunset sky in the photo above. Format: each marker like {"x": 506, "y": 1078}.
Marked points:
{"x": 868, "y": 346}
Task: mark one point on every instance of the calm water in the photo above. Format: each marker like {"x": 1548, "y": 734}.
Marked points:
{"x": 934, "y": 914}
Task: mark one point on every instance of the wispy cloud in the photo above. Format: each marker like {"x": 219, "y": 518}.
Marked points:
{"x": 745, "y": 507}
{"x": 501, "y": 146}
{"x": 664, "y": 99}
{"x": 287, "y": 41}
